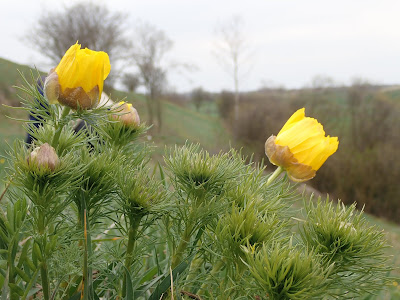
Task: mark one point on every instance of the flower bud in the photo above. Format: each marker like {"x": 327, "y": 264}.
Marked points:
{"x": 78, "y": 79}
{"x": 127, "y": 114}
{"x": 52, "y": 87}
{"x": 44, "y": 157}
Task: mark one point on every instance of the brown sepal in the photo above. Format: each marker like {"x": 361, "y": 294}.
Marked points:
{"x": 281, "y": 156}
{"x": 74, "y": 97}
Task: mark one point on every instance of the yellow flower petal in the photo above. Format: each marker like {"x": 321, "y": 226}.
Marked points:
{"x": 83, "y": 69}
{"x": 296, "y": 117}
{"x": 299, "y": 132}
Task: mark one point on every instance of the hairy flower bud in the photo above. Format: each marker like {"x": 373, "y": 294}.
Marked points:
{"x": 301, "y": 147}
{"x": 44, "y": 157}
{"x": 127, "y": 114}
{"x": 78, "y": 79}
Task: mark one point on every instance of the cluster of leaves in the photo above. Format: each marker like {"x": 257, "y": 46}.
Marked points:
{"x": 104, "y": 224}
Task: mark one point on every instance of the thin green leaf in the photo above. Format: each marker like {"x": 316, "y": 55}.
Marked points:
{"x": 166, "y": 282}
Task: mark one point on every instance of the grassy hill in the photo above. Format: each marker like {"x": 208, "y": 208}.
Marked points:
{"x": 10, "y": 77}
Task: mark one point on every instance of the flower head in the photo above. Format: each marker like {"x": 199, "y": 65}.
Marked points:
{"x": 78, "y": 79}
{"x": 44, "y": 158}
{"x": 127, "y": 114}
{"x": 301, "y": 147}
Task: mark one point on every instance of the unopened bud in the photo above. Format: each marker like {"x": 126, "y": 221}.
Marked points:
{"x": 127, "y": 114}
{"x": 44, "y": 157}
{"x": 52, "y": 87}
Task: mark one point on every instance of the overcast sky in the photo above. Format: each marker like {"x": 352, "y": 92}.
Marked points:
{"x": 291, "y": 40}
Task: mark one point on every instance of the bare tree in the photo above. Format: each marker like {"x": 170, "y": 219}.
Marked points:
{"x": 149, "y": 49}
{"x": 93, "y": 25}
{"x": 199, "y": 96}
{"x": 232, "y": 52}
{"x": 131, "y": 81}
{"x": 321, "y": 82}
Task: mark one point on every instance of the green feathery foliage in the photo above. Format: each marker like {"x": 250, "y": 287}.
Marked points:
{"x": 199, "y": 174}
{"x": 139, "y": 194}
{"x": 246, "y": 227}
{"x": 342, "y": 237}
{"x": 285, "y": 272}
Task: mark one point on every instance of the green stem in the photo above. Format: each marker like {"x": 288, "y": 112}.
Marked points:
{"x": 214, "y": 271}
{"x": 132, "y": 235}
{"x": 190, "y": 227}
{"x": 44, "y": 273}
{"x": 274, "y": 175}
{"x": 177, "y": 257}
{"x": 195, "y": 265}
{"x": 90, "y": 271}
{"x": 45, "y": 279}
{"x": 59, "y": 127}
{"x": 87, "y": 270}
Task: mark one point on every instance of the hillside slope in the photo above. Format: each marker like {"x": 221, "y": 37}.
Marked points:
{"x": 10, "y": 77}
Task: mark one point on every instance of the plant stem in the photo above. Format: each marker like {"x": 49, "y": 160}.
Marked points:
{"x": 195, "y": 265}
{"x": 45, "y": 279}
{"x": 44, "y": 273}
{"x": 5, "y": 190}
{"x": 85, "y": 274}
{"x": 132, "y": 234}
{"x": 87, "y": 270}
{"x": 177, "y": 257}
{"x": 190, "y": 226}
{"x": 214, "y": 270}
{"x": 60, "y": 127}
{"x": 274, "y": 175}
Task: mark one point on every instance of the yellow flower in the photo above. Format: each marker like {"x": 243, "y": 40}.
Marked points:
{"x": 301, "y": 147}
{"x": 127, "y": 114}
{"x": 78, "y": 78}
